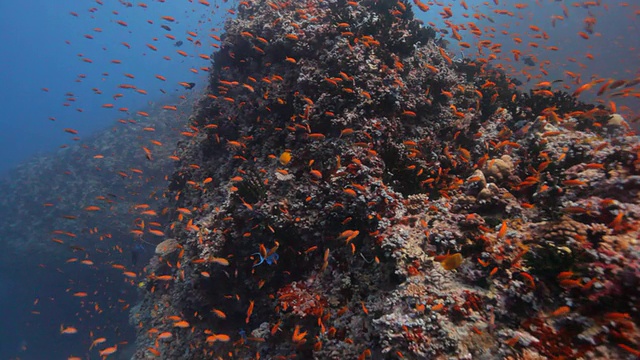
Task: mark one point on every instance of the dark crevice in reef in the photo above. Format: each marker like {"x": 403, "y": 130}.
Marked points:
{"x": 353, "y": 191}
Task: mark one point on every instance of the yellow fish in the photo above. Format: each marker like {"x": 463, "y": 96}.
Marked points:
{"x": 285, "y": 157}
{"x": 452, "y": 261}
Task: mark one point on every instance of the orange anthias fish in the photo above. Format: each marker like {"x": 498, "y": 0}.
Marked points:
{"x": 68, "y": 330}
{"x": 109, "y": 350}
{"x": 97, "y": 341}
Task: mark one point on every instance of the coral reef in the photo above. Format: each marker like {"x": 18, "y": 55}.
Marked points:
{"x": 419, "y": 207}
{"x": 59, "y": 198}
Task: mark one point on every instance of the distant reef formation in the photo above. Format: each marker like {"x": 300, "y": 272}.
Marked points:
{"x": 349, "y": 190}
{"x": 83, "y": 197}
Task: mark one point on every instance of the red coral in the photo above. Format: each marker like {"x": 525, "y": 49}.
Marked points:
{"x": 472, "y": 301}
{"x": 414, "y": 268}
{"x": 554, "y": 343}
{"x": 301, "y": 300}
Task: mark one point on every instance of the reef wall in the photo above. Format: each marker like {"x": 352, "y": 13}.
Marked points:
{"x": 350, "y": 190}
{"x": 84, "y": 196}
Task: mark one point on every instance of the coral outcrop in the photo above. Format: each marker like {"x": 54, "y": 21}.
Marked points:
{"x": 341, "y": 157}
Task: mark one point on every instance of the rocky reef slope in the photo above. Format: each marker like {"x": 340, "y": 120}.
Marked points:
{"x": 86, "y": 196}
{"x": 349, "y": 190}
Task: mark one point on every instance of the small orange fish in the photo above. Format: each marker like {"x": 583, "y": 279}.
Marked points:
{"x": 298, "y": 337}
{"x": 218, "y": 337}
{"x": 564, "y": 275}
{"x": 562, "y": 310}
{"x": 350, "y": 192}
{"x": 219, "y": 260}
{"x": 109, "y": 350}
{"x": 97, "y": 341}
{"x": 529, "y": 279}
{"x": 503, "y": 230}
{"x": 219, "y": 313}
{"x": 181, "y": 324}
{"x": 316, "y": 174}
{"x": 249, "y": 311}
{"x": 483, "y": 263}
{"x": 364, "y": 308}
{"x": 573, "y": 182}
{"x": 156, "y": 232}
{"x": 570, "y": 283}
{"x": 184, "y": 211}
{"x": 68, "y": 330}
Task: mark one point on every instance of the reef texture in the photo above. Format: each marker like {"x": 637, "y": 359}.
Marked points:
{"x": 54, "y": 206}
{"x": 349, "y": 191}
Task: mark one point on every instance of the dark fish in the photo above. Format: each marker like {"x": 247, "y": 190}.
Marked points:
{"x": 136, "y": 252}
{"x": 529, "y": 61}
{"x": 178, "y": 43}
{"x": 165, "y": 27}
{"x": 190, "y": 86}
{"x": 77, "y": 248}
{"x": 632, "y": 82}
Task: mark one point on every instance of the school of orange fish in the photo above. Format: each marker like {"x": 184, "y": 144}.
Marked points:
{"x": 349, "y": 187}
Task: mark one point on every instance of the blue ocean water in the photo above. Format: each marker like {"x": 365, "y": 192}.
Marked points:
{"x": 36, "y": 56}
{"x": 54, "y": 77}
{"x": 47, "y": 86}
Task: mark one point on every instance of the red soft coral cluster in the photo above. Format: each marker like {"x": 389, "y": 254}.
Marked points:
{"x": 301, "y": 300}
